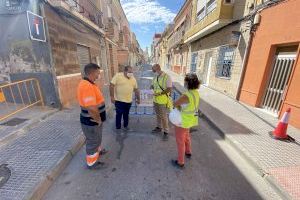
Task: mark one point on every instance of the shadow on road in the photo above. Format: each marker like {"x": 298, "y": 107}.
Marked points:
{"x": 139, "y": 168}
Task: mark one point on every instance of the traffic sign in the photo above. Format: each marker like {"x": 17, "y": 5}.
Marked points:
{"x": 36, "y": 27}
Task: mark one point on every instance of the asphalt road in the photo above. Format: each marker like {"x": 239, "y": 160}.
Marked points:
{"x": 138, "y": 167}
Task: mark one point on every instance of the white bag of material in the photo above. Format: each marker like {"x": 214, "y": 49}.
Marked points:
{"x": 175, "y": 117}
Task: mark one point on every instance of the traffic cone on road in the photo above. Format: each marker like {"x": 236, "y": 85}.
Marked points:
{"x": 280, "y": 130}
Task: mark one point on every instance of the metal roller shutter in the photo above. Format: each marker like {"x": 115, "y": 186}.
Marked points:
{"x": 84, "y": 56}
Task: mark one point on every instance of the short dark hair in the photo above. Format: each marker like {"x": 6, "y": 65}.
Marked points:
{"x": 192, "y": 81}
{"x": 156, "y": 65}
{"x": 126, "y": 68}
{"x": 89, "y": 68}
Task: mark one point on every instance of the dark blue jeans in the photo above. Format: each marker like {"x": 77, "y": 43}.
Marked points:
{"x": 122, "y": 110}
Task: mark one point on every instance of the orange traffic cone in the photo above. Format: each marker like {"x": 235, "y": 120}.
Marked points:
{"x": 280, "y": 131}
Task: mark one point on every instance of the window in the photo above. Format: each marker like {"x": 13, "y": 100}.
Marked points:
{"x": 225, "y": 61}
{"x": 211, "y": 5}
{"x": 201, "y": 14}
{"x": 194, "y": 62}
{"x": 204, "y": 7}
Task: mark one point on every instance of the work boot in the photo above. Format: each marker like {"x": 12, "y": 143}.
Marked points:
{"x": 165, "y": 136}
{"x": 156, "y": 130}
{"x": 97, "y": 165}
{"x": 177, "y": 165}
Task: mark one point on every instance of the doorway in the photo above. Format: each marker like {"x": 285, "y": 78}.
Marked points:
{"x": 278, "y": 81}
{"x": 207, "y": 68}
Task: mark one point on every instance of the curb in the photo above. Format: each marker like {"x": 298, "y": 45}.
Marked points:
{"x": 243, "y": 152}
{"x": 46, "y": 181}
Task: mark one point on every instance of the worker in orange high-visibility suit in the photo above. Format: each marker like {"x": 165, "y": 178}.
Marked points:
{"x": 92, "y": 115}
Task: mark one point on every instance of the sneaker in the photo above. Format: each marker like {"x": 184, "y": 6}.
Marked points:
{"x": 127, "y": 129}
{"x": 193, "y": 130}
{"x": 176, "y": 164}
{"x": 165, "y": 136}
{"x": 156, "y": 130}
{"x": 97, "y": 165}
{"x": 188, "y": 155}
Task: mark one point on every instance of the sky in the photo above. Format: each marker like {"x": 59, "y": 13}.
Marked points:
{"x": 147, "y": 17}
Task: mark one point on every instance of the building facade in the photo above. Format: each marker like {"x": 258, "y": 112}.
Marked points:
{"x": 178, "y": 51}
{"x": 155, "y": 48}
{"x": 73, "y": 33}
{"x": 218, "y": 40}
{"x": 272, "y": 73}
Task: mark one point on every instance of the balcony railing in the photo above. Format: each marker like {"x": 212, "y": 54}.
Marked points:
{"x": 87, "y": 9}
{"x": 177, "y": 37}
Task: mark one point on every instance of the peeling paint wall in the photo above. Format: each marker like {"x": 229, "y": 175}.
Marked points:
{"x": 21, "y": 57}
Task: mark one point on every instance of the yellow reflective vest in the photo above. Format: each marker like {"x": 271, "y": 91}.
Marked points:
{"x": 159, "y": 83}
{"x": 189, "y": 112}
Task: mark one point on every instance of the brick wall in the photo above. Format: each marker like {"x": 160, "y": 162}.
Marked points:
{"x": 67, "y": 87}
{"x": 176, "y": 69}
{"x": 65, "y": 34}
{"x": 211, "y": 44}
{"x": 123, "y": 57}
{"x": 113, "y": 57}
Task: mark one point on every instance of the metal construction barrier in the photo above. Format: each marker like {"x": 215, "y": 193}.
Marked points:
{"x": 18, "y": 96}
{"x": 148, "y": 110}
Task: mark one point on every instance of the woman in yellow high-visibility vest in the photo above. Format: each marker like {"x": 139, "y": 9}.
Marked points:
{"x": 188, "y": 104}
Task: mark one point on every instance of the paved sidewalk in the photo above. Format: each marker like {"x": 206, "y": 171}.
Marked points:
{"x": 247, "y": 129}
{"x": 37, "y": 156}
{"x": 20, "y": 122}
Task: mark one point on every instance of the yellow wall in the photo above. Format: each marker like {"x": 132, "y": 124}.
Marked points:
{"x": 222, "y": 11}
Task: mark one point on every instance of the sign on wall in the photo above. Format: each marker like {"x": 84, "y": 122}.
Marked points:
{"x": 36, "y": 27}
{"x": 146, "y": 98}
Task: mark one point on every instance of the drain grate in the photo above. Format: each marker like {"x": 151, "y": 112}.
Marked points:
{"x": 5, "y": 174}
{"x": 14, "y": 122}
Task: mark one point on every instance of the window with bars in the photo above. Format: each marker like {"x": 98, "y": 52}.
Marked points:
{"x": 225, "y": 61}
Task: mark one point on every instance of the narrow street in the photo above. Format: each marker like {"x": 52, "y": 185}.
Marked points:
{"x": 244, "y": 53}
{"x": 138, "y": 167}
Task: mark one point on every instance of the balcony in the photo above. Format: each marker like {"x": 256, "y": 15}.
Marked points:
{"x": 177, "y": 37}
{"x": 84, "y": 11}
{"x": 213, "y": 15}
{"x": 112, "y": 30}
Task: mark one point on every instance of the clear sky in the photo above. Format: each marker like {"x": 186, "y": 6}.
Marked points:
{"x": 147, "y": 17}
